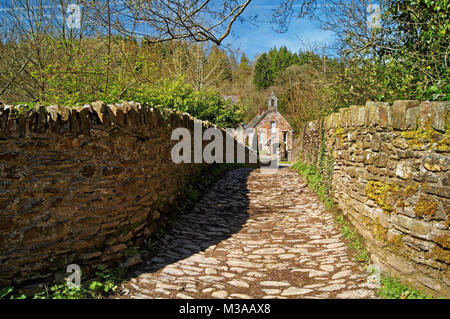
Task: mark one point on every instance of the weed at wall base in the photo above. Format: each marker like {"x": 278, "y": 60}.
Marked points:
{"x": 315, "y": 181}
{"x": 392, "y": 288}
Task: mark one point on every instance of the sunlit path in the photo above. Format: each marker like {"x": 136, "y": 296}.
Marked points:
{"x": 253, "y": 235}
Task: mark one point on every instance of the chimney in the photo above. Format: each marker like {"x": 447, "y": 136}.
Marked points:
{"x": 261, "y": 110}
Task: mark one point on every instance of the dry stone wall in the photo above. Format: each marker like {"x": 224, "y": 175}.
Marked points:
{"x": 390, "y": 176}
{"x": 85, "y": 185}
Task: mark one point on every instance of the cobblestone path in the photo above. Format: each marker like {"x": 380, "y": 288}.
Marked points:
{"x": 253, "y": 235}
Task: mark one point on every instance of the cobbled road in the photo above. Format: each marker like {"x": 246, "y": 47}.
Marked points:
{"x": 253, "y": 235}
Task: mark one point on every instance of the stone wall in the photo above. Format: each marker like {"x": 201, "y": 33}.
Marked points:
{"x": 390, "y": 177}
{"x": 85, "y": 185}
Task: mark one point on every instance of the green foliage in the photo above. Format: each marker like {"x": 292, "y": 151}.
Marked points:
{"x": 270, "y": 65}
{"x": 406, "y": 58}
{"x": 355, "y": 243}
{"x": 102, "y": 287}
{"x": 419, "y": 38}
{"x": 110, "y": 275}
{"x": 314, "y": 179}
{"x": 62, "y": 291}
{"x": 207, "y": 105}
{"x": 5, "y": 292}
{"x": 71, "y": 72}
{"x": 263, "y": 77}
{"x": 106, "y": 283}
{"x": 392, "y": 288}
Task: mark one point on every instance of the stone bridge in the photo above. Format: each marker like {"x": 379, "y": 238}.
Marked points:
{"x": 89, "y": 185}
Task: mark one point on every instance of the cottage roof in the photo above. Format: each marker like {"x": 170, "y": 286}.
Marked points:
{"x": 258, "y": 118}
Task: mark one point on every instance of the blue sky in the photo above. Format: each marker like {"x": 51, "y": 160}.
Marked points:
{"x": 253, "y": 39}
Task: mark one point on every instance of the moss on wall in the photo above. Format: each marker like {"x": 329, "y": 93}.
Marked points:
{"x": 395, "y": 243}
{"x": 444, "y": 144}
{"x": 379, "y": 155}
{"x": 419, "y": 137}
{"x": 439, "y": 253}
{"x": 425, "y": 206}
{"x": 443, "y": 240}
{"x": 380, "y": 232}
{"x": 381, "y": 192}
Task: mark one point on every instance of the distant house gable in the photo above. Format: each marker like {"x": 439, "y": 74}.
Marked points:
{"x": 232, "y": 98}
{"x": 269, "y": 122}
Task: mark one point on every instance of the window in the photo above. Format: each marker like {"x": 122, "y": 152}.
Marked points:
{"x": 273, "y": 127}
{"x": 261, "y": 142}
{"x": 285, "y": 138}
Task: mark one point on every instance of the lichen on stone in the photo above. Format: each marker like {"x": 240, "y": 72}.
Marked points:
{"x": 395, "y": 243}
{"x": 425, "y": 206}
{"x": 410, "y": 189}
{"x": 382, "y": 193}
{"x": 339, "y": 131}
{"x": 418, "y": 137}
{"x": 380, "y": 232}
{"x": 440, "y": 254}
{"x": 444, "y": 144}
{"x": 443, "y": 240}
{"x": 426, "y": 133}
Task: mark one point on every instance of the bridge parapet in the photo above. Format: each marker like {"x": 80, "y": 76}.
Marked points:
{"x": 88, "y": 184}
{"x": 390, "y": 167}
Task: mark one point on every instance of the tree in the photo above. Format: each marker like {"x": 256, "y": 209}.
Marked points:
{"x": 403, "y": 56}
{"x": 263, "y": 77}
{"x": 418, "y": 46}
{"x": 164, "y": 20}
{"x": 244, "y": 66}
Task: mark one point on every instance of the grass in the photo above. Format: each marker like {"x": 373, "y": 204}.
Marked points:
{"x": 392, "y": 288}
{"x": 314, "y": 179}
{"x": 354, "y": 242}
{"x": 105, "y": 283}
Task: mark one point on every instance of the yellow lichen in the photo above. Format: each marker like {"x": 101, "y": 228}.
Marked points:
{"x": 395, "y": 243}
{"x": 417, "y": 137}
{"x": 339, "y": 136}
{"x": 410, "y": 190}
{"x": 339, "y": 131}
{"x": 425, "y": 206}
{"x": 439, "y": 253}
{"x": 444, "y": 144}
{"x": 443, "y": 241}
{"x": 382, "y": 193}
{"x": 380, "y": 232}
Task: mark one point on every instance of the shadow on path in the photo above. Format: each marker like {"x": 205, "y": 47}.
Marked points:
{"x": 220, "y": 213}
{"x": 254, "y": 234}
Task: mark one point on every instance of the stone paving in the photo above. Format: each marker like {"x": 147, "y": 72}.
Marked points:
{"x": 253, "y": 235}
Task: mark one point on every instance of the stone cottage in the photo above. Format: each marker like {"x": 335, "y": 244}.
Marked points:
{"x": 274, "y": 133}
